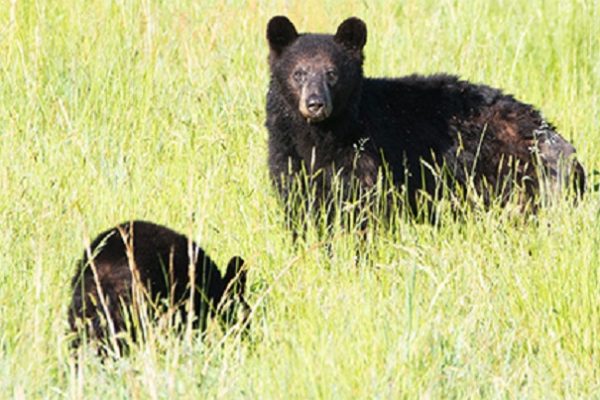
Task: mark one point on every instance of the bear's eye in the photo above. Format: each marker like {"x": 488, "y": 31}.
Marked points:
{"x": 331, "y": 76}
{"x": 299, "y": 75}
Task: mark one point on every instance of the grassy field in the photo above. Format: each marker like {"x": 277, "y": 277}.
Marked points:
{"x": 113, "y": 110}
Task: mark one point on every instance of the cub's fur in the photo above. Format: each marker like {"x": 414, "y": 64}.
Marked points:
{"x": 157, "y": 259}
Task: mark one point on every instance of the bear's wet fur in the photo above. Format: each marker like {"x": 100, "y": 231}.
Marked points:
{"x": 327, "y": 120}
{"x": 103, "y": 302}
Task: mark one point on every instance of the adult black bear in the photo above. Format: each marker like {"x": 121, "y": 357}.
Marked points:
{"x": 327, "y": 120}
{"x": 157, "y": 260}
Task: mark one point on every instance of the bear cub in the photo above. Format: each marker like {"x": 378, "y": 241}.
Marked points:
{"x": 329, "y": 122}
{"x": 158, "y": 260}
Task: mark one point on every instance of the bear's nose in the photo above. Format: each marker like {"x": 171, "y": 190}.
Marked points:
{"x": 314, "y": 104}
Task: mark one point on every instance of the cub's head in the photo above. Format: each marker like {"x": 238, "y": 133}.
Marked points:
{"x": 318, "y": 74}
{"x": 232, "y": 308}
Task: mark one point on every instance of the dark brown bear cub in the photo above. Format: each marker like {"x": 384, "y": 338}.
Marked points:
{"x": 158, "y": 260}
{"x": 325, "y": 118}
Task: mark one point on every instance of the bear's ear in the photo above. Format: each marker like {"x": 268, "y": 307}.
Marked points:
{"x": 280, "y": 33}
{"x": 235, "y": 276}
{"x": 352, "y": 33}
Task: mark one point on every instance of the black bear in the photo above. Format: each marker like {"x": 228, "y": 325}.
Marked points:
{"x": 330, "y": 123}
{"x": 158, "y": 259}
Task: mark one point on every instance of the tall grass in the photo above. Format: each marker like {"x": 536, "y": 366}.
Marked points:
{"x": 112, "y": 110}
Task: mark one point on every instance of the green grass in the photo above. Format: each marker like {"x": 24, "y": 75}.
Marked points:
{"x": 112, "y": 110}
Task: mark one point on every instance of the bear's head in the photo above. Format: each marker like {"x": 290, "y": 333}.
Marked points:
{"x": 319, "y": 74}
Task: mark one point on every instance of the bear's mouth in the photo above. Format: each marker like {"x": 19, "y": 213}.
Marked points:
{"x": 315, "y": 118}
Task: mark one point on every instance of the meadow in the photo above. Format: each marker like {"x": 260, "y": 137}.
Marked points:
{"x": 118, "y": 110}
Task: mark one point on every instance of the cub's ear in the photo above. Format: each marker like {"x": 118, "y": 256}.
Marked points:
{"x": 352, "y": 33}
{"x": 280, "y": 33}
{"x": 235, "y": 276}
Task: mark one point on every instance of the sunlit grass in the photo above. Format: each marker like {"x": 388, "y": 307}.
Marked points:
{"x": 112, "y": 110}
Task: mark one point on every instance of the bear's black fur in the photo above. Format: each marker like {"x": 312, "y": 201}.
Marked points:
{"x": 325, "y": 118}
{"x": 160, "y": 257}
